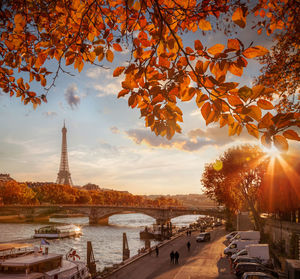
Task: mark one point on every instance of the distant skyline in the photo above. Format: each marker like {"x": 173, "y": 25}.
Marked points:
{"x": 108, "y": 144}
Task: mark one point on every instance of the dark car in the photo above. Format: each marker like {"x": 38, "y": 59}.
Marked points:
{"x": 256, "y": 275}
{"x": 241, "y": 268}
{"x": 205, "y": 236}
{"x": 245, "y": 259}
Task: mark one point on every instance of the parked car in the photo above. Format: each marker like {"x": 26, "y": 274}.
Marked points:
{"x": 243, "y": 252}
{"x": 245, "y": 259}
{"x": 230, "y": 235}
{"x": 205, "y": 236}
{"x": 241, "y": 268}
{"x": 256, "y": 275}
{"x": 237, "y": 245}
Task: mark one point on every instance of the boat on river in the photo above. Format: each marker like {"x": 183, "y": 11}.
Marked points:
{"x": 35, "y": 264}
{"x": 57, "y": 231}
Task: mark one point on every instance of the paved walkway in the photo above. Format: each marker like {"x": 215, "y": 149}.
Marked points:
{"x": 203, "y": 261}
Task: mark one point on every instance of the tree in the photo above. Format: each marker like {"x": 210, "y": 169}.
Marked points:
{"x": 13, "y": 192}
{"x": 235, "y": 179}
{"x": 162, "y": 71}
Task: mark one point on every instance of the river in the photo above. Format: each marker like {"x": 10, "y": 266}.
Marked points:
{"x": 106, "y": 240}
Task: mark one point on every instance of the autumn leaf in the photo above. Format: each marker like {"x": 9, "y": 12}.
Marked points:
{"x": 244, "y": 93}
{"x": 239, "y": 17}
{"x": 118, "y": 71}
{"x": 291, "y": 134}
{"x": 264, "y": 104}
{"x": 235, "y": 69}
{"x": 123, "y": 92}
{"x": 255, "y": 112}
{"x": 266, "y": 141}
{"x": 233, "y": 44}
{"x": 280, "y": 142}
{"x": 117, "y": 47}
{"x": 252, "y": 130}
{"x": 205, "y": 110}
{"x": 198, "y": 45}
{"x": 256, "y": 51}
{"x": 234, "y": 100}
{"x": 217, "y": 48}
{"x": 109, "y": 56}
{"x": 204, "y": 25}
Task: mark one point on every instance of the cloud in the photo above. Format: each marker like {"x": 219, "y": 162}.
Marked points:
{"x": 115, "y": 130}
{"x": 218, "y": 136}
{"x": 112, "y": 88}
{"x": 142, "y": 136}
{"x": 194, "y": 140}
{"x": 49, "y": 113}
{"x": 71, "y": 96}
{"x": 96, "y": 73}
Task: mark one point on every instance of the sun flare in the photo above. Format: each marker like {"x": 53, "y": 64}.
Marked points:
{"x": 272, "y": 152}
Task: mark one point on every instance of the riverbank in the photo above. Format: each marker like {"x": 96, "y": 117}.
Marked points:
{"x": 204, "y": 260}
{"x": 41, "y": 219}
{"x": 23, "y": 219}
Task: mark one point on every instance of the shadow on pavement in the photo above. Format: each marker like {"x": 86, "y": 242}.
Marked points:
{"x": 224, "y": 269}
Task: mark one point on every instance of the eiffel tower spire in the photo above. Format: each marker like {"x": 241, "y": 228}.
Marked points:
{"x": 64, "y": 175}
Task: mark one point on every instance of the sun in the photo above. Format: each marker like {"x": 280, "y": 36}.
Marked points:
{"x": 271, "y": 152}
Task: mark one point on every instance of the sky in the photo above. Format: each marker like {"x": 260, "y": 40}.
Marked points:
{"x": 108, "y": 143}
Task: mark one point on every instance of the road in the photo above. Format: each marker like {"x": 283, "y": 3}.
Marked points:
{"x": 203, "y": 261}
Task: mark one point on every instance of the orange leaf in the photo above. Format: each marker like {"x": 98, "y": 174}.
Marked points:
{"x": 264, "y": 104}
{"x": 198, "y": 45}
{"x": 239, "y": 17}
{"x": 234, "y": 100}
{"x": 266, "y": 141}
{"x": 109, "y": 56}
{"x": 159, "y": 98}
{"x": 255, "y": 112}
{"x": 218, "y": 48}
{"x": 205, "y": 110}
{"x": 204, "y": 25}
{"x": 189, "y": 94}
{"x": 235, "y": 69}
{"x": 118, "y": 71}
{"x": 252, "y": 130}
{"x": 280, "y": 142}
{"x": 256, "y": 51}
{"x": 291, "y": 134}
{"x": 123, "y": 92}
{"x": 117, "y": 47}
{"x": 233, "y": 44}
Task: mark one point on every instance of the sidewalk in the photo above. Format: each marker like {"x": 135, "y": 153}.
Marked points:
{"x": 203, "y": 261}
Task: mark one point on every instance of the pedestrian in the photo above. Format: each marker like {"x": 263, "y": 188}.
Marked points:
{"x": 156, "y": 251}
{"x": 172, "y": 255}
{"x": 187, "y": 233}
{"x": 190, "y": 232}
{"x": 188, "y": 245}
{"x": 176, "y": 255}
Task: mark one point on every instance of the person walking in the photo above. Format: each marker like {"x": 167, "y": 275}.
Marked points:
{"x": 156, "y": 251}
{"x": 172, "y": 255}
{"x": 176, "y": 255}
{"x": 188, "y": 245}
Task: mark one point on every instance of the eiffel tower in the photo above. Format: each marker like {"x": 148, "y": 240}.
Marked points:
{"x": 64, "y": 175}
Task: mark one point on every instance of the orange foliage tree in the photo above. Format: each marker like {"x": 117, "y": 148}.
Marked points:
{"x": 13, "y": 192}
{"x": 235, "y": 179}
{"x": 162, "y": 70}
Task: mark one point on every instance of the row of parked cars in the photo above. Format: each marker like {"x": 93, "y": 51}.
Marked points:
{"x": 250, "y": 260}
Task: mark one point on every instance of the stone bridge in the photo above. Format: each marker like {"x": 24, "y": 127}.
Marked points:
{"x": 99, "y": 214}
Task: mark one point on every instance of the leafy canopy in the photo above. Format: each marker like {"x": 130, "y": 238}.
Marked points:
{"x": 162, "y": 71}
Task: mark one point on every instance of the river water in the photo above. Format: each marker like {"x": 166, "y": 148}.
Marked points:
{"x": 107, "y": 241}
